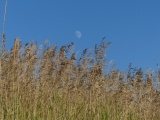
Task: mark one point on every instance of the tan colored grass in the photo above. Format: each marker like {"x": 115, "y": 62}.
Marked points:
{"x": 58, "y": 86}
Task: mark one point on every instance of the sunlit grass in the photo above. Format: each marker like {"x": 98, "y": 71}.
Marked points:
{"x": 53, "y": 84}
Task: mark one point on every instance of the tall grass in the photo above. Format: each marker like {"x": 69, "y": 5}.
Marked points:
{"x": 53, "y": 84}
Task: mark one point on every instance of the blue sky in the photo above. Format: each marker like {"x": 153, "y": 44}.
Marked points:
{"x": 133, "y": 26}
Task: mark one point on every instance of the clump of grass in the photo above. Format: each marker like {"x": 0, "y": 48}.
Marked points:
{"x": 53, "y": 84}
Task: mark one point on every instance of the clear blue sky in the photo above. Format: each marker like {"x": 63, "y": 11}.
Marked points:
{"x": 133, "y": 26}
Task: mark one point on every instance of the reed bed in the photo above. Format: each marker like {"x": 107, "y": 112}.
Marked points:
{"x": 54, "y": 84}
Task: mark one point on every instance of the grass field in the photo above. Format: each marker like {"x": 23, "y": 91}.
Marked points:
{"x": 53, "y": 84}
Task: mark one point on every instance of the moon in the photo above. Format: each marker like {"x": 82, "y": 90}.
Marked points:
{"x": 78, "y": 34}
